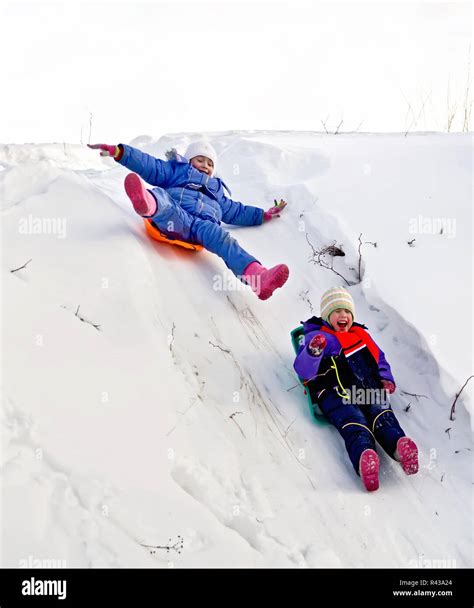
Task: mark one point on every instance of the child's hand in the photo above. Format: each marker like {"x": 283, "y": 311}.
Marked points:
{"x": 274, "y": 211}
{"x": 388, "y": 386}
{"x": 106, "y": 150}
{"x": 317, "y": 345}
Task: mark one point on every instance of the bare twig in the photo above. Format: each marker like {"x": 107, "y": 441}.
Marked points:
{"x": 451, "y": 109}
{"x": 358, "y": 127}
{"x": 304, "y": 296}
{"x": 415, "y": 119}
{"x": 324, "y": 125}
{"x": 172, "y": 336}
{"x": 411, "y": 243}
{"x": 457, "y": 397}
{"x": 286, "y": 432}
{"x": 177, "y": 546}
{"x": 467, "y": 100}
{"x": 318, "y": 258}
{"x": 224, "y": 350}
{"x": 240, "y": 429}
{"x": 337, "y": 128}
{"x": 24, "y": 266}
{"x": 360, "y": 253}
{"x": 85, "y": 320}
{"x": 413, "y": 395}
{"x": 409, "y": 108}
{"x": 422, "y": 111}
{"x": 90, "y": 127}
{"x": 360, "y": 256}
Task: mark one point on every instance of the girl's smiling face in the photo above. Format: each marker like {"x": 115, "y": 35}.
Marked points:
{"x": 341, "y": 319}
{"x": 203, "y": 164}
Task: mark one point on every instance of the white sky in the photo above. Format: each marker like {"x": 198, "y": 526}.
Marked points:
{"x": 157, "y": 67}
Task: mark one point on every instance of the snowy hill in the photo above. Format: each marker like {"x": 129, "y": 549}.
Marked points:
{"x": 149, "y": 398}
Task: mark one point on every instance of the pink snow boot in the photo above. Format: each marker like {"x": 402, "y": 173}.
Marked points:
{"x": 143, "y": 201}
{"x": 407, "y": 454}
{"x": 369, "y": 465}
{"x": 263, "y": 281}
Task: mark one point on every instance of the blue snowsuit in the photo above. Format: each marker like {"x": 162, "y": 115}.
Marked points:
{"x": 355, "y": 364}
{"x": 191, "y": 206}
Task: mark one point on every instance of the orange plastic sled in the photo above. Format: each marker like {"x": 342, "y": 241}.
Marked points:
{"x": 154, "y": 233}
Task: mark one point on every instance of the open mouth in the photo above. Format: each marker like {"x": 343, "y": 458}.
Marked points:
{"x": 342, "y": 324}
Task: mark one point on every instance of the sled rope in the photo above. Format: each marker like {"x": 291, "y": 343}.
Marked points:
{"x": 334, "y": 367}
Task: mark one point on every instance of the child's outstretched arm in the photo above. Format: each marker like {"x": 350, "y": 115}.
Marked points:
{"x": 238, "y": 214}
{"x": 153, "y": 170}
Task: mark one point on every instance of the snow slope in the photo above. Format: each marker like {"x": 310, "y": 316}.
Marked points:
{"x": 149, "y": 398}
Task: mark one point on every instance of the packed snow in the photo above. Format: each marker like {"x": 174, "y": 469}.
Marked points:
{"x": 151, "y": 416}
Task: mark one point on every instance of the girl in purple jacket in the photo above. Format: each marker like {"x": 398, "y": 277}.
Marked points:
{"x": 350, "y": 379}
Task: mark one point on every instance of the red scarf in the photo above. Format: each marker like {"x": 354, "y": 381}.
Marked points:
{"x": 353, "y": 340}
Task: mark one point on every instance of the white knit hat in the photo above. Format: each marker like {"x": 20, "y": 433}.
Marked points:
{"x": 334, "y": 298}
{"x": 201, "y": 148}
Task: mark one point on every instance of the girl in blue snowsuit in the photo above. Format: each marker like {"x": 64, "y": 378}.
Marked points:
{"x": 349, "y": 379}
{"x": 189, "y": 204}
